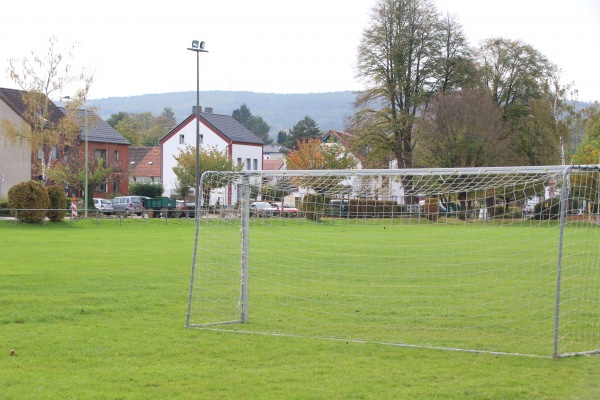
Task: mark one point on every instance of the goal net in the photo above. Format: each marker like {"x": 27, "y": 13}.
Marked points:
{"x": 499, "y": 260}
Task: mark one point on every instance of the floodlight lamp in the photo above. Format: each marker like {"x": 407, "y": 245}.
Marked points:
{"x": 196, "y": 44}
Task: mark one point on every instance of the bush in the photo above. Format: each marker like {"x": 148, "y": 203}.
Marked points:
{"x": 313, "y": 205}
{"x": 4, "y": 207}
{"x": 32, "y": 196}
{"x": 371, "y": 208}
{"x": 547, "y": 209}
{"x": 58, "y": 202}
{"x": 152, "y": 190}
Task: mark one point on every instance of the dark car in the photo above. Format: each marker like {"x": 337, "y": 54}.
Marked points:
{"x": 185, "y": 209}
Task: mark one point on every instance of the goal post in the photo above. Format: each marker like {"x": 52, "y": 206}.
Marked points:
{"x": 501, "y": 260}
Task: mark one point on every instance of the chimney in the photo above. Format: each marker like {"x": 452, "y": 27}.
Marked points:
{"x": 208, "y": 110}
{"x": 194, "y": 109}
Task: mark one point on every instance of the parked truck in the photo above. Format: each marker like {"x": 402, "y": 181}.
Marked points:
{"x": 160, "y": 206}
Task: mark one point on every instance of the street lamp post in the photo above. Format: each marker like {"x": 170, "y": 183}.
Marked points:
{"x": 198, "y": 47}
{"x": 85, "y": 184}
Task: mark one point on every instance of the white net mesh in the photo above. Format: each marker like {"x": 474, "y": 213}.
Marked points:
{"x": 498, "y": 260}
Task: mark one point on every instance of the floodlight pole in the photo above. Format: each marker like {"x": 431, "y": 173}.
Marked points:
{"x": 198, "y": 47}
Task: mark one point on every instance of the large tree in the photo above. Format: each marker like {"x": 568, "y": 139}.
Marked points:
{"x": 514, "y": 72}
{"x": 304, "y": 130}
{"x": 401, "y": 60}
{"x": 143, "y": 129}
{"x": 253, "y": 123}
{"x": 463, "y": 129}
{"x": 41, "y": 77}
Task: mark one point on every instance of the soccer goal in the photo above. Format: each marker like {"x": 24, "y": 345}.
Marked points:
{"x": 498, "y": 260}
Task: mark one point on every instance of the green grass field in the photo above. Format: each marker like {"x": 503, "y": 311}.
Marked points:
{"x": 98, "y": 311}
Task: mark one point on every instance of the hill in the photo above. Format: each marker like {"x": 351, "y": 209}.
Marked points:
{"x": 280, "y": 111}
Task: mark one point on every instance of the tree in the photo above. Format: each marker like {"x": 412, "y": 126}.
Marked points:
{"x": 463, "y": 129}
{"x": 589, "y": 150}
{"x": 71, "y": 171}
{"x": 143, "y": 129}
{"x": 282, "y": 138}
{"x": 253, "y": 123}
{"x": 514, "y": 72}
{"x": 211, "y": 159}
{"x": 312, "y": 154}
{"x": 399, "y": 58}
{"x": 456, "y": 64}
{"x": 304, "y": 130}
{"x": 47, "y": 129}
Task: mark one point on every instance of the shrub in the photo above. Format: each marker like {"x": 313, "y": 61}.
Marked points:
{"x": 547, "y": 209}
{"x": 4, "y": 207}
{"x": 154, "y": 189}
{"x": 371, "y": 208}
{"x": 58, "y": 202}
{"x": 31, "y": 196}
{"x": 313, "y": 205}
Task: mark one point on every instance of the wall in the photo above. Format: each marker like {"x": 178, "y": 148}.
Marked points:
{"x": 15, "y": 158}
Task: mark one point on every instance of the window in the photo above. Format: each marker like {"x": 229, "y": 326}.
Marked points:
{"x": 239, "y": 161}
{"x": 255, "y": 164}
{"x": 248, "y": 164}
{"x": 100, "y": 154}
{"x": 103, "y": 188}
{"x": 181, "y": 138}
{"x": 116, "y": 155}
{"x": 53, "y": 153}
{"x": 116, "y": 187}
{"x": 201, "y": 139}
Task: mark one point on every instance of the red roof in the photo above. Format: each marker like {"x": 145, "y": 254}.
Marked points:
{"x": 146, "y": 161}
{"x": 273, "y": 165}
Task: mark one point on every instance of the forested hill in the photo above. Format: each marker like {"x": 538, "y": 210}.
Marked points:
{"x": 280, "y": 111}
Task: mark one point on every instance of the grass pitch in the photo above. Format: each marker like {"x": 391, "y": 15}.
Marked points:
{"x": 97, "y": 311}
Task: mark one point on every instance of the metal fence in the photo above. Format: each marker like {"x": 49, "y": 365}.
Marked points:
{"x": 12, "y": 214}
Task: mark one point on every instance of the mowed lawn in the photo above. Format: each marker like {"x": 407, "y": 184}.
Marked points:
{"x": 98, "y": 311}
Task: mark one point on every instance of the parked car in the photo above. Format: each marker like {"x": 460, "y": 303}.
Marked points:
{"x": 128, "y": 204}
{"x": 103, "y": 205}
{"x": 262, "y": 209}
{"x": 288, "y": 209}
{"x": 338, "y": 208}
{"x": 185, "y": 209}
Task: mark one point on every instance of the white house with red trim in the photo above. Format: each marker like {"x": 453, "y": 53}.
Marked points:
{"x": 220, "y": 131}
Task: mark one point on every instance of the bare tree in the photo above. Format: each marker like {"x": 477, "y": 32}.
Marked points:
{"x": 40, "y": 78}
{"x": 406, "y": 55}
{"x": 463, "y": 129}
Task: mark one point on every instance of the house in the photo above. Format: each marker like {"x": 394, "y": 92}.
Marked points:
{"x": 222, "y": 132}
{"x": 15, "y": 157}
{"x": 272, "y": 152}
{"x": 19, "y": 164}
{"x": 104, "y": 142}
{"x": 145, "y": 164}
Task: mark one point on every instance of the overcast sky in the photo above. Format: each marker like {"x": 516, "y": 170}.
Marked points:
{"x": 274, "y": 46}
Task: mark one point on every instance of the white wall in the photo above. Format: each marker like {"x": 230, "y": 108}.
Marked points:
{"x": 15, "y": 158}
{"x": 210, "y": 139}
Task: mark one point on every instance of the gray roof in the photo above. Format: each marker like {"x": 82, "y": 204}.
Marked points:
{"x": 231, "y": 128}
{"x": 99, "y": 130}
{"x": 14, "y": 99}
